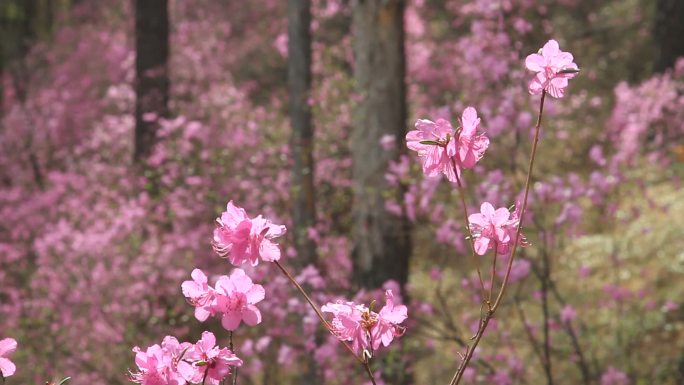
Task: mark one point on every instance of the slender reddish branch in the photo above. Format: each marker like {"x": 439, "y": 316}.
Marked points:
{"x": 490, "y": 311}
{"x": 316, "y": 309}
{"x": 464, "y": 207}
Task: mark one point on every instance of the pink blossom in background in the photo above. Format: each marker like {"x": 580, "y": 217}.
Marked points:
{"x": 550, "y": 64}
{"x": 236, "y": 296}
{"x": 492, "y": 228}
{"x": 210, "y": 360}
{"x": 568, "y": 314}
{"x": 364, "y": 328}
{"x": 7, "y": 347}
{"x": 434, "y": 157}
{"x": 613, "y": 376}
{"x": 246, "y": 240}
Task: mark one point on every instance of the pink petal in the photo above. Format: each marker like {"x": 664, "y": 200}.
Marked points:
{"x": 251, "y": 315}
{"x": 550, "y": 49}
{"x": 198, "y": 276}
{"x": 7, "y": 346}
{"x": 487, "y": 210}
{"x": 478, "y": 219}
{"x": 481, "y": 245}
{"x": 269, "y": 251}
{"x": 202, "y": 313}
{"x": 469, "y": 121}
{"x": 535, "y": 62}
{"x": 231, "y": 320}
{"x": 256, "y": 294}
{"x": 7, "y": 367}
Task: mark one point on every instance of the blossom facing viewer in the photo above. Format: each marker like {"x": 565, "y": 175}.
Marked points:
{"x": 233, "y": 299}
{"x": 494, "y": 228}
{"x": 210, "y": 361}
{"x": 245, "y": 239}
{"x": 553, "y": 68}
{"x": 364, "y": 328}
{"x": 443, "y": 150}
{"x": 7, "y": 347}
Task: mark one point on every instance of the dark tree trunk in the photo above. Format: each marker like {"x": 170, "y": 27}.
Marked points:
{"x": 668, "y": 33}
{"x": 151, "y": 68}
{"x": 382, "y": 242}
{"x": 299, "y": 83}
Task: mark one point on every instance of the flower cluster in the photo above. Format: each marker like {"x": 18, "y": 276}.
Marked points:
{"x": 444, "y": 150}
{"x": 553, "y": 67}
{"x": 7, "y": 347}
{"x": 233, "y": 299}
{"x": 364, "y": 328}
{"x": 494, "y": 229}
{"x": 243, "y": 239}
{"x": 180, "y": 363}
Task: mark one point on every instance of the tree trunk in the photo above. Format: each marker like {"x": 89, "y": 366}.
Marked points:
{"x": 299, "y": 83}
{"x": 668, "y": 33}
{"x": 382, "y": 243}
{"x": 151, "y": 68}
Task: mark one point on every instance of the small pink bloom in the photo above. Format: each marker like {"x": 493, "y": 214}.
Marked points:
{"x": 613, "y": 376}
{"x": 430, "y": 139}
{"x": 236, "y": 296}
{"x": 471, "y": 146}
{"x": 492, "y": 228}
{"x": 199, "y": 294}
{"x": 7, "y": 347}
{"x": 245, "y": 240}
{"x": 155, "y": 367}
{"x": 211, "y": 361}
{"x": 568, "y": 314}
{"x": 443, "y": 150}
{"x": 553, "y": 67}
{"x": 364, "y": 328}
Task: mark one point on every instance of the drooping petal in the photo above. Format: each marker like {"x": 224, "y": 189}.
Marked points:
{"x": 7, "y": 367}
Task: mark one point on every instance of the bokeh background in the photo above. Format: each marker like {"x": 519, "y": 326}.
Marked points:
{"x": 126, "y": 126}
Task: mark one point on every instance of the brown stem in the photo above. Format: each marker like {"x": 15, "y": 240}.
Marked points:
{"x": 315, "y": 308}
{"x": 369, "y": 372}
{"x": 464, "y": 207}
{"x": 490, "y": 312}
{"x": 491, "y": 282}
{"x": 230, "y": 345}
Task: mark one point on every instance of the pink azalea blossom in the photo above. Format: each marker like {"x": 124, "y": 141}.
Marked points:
{"x": 210, "y": 361}
{"x": 471, "y": 146}
{"x": 431, "y": 139}
{"x": 444, "y": 150}
{"x": 568, "y": 314}
{"x": 492, "y": 228}
{"x": 364, "y": 328}
{"x": 236, "y": 296}
{"x": 155, "y": 367}
{"x": 553, "y": 67}
{"x": 613, "y": 376}
{"x": 243, "y": 239}
{"x": 199, "y": 294}
{"x": 7, "y": 347}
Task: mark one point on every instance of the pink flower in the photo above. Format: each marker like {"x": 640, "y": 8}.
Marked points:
{"x": 430, "y": 139}
{"x": 443, "y": 150}
{"x": 471, "y": 147}
{"x": 7, "y": 347}
{"x": 613, "y": 376}
{"x": 244, "y": 239}
{"x": 210, "y": 360}
{"x": 553, "y": 67}
{"x": 236, "y": 296}
{"x": 568, "y": 314}
{"x": 492, "y": 228}
{"x": 366, "y": 329}
{"x": 155, "y": 367}
{"x": 199, "y": 294}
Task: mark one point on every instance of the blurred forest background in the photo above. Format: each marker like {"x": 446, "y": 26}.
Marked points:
{"x": 126, "y": 126}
